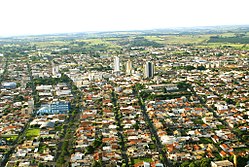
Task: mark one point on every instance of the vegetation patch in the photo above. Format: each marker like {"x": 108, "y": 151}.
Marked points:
{"x": 34, "y": 132}
{"x": 141, "y": 42}
{"x": 235, "y": 39}
{"x": 205, "y": 140}
{"x": 10, "y": 138}
{"x": 137, "y": 160}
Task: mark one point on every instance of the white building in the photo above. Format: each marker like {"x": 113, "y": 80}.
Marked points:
{"x": 116, "y": 64}
{"x": 224, "y": 163}
{"x": 55, "y": 71}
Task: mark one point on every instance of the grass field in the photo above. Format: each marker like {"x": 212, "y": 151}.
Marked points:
{"x": 200, "y": 41}
{"x": 227, "y": 35}
{"x": 179, "y": 39}
{"x": 10, "y": 137}
{"x": 90, "y": 42}
{"x": 186, "y": 39}
{"x": 223, "y": 45}
{"x": 155, "y": 38}
{"x": 34, "y": 132}
{"x": 93, "y": 42}
{"x": 142, "y": 160}
{"x": 50, "y": 44}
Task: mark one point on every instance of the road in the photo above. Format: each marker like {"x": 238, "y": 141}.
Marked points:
{"x": 153, "y": 131}
{"x": 21, "y": 136}
{"x": 120, "y": 135}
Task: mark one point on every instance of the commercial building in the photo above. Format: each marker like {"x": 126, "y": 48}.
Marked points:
{"x": 9, "y": 85}
{"x": 58, "y": 107}
{"x": 149, "y": 70}
{"x": 129, "y": 67}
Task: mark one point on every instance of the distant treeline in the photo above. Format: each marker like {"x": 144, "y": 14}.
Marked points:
{"x": 140, "y": 41}
{"x": 235, "y": 39}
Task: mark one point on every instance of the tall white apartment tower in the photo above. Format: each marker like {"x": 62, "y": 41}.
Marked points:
{"x": 116, "y": 64}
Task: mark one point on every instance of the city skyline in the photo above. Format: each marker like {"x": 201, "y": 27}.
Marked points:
{"x": 46, "y": 17}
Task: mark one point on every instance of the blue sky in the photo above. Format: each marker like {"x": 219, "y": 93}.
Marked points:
{"x": 20, "y": 17}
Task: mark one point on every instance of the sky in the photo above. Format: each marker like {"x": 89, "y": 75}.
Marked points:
{"x": 25, "y": 17}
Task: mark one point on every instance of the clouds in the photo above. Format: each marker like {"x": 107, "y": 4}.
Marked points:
{"x": 46, "y": 16}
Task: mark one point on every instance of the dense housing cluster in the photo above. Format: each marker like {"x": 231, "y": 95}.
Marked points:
{"x": 124, "y": 101}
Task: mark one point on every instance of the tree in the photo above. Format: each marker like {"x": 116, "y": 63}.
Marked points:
{"x": 183, "y": 85}
{"x": 193, "y": 164}
{"x": 97, "y": 142}
{"x": 185, "y": 164}
{"x": 18, "y": 98}
{"x": 136, "y": 125}
{"x": 97, "y": 164}
{"x": 201, "y": 68}
{"x": 139, "y": 87}
{"x": 18, "y": 84}
{"x": 242, "y": 161}
{"x": 60, "y": 160}
{"x": 89, "y": 150}
{"x": 205, "y": 162}
{"x": 40, "y": 165}
{"x": 189, "y": 68}
{"x": 230, "y": 101}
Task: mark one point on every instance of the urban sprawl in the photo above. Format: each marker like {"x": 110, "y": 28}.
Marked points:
{"x": 141, "y": 106}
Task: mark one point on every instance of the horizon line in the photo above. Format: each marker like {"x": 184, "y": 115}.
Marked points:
{"x": 128, "y": 30}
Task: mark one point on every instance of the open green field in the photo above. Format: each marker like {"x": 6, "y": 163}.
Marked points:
{"x": 91, "y": 42}
{"x": 94, "y": 42}
{"x": 224, "y": 45}
{"x": 201, "y": 41}
{"x": 142, "y": 160}
{"x": 10, "y": 137}
{"x": 186, "y": 39}
{"x": 179, "y": 39}
{"x": 158, "y": 39}
{"x": 33, "y": 132}
{"x": 227, "y": 34}
{"x": 51, "y": 44}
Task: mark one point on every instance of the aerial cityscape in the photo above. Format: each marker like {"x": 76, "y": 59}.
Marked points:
{"x": 137, "y": 98}
{"x": 124, "y": 83}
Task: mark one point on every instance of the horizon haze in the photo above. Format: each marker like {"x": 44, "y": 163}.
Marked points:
{"x": 28, "y": 17}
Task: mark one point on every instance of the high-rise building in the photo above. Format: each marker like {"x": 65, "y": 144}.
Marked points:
{"x": 55, "y": 70}
{"x": 149, "y": 70}
{"x": 31, "y": 106}
{"x": 116, "y": 64}
{"x": 128, "y": 67}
